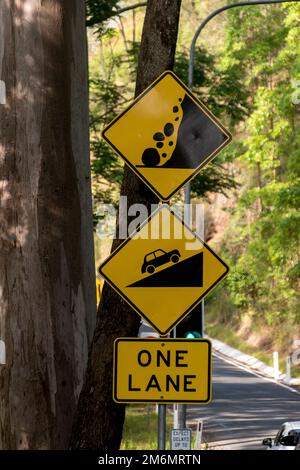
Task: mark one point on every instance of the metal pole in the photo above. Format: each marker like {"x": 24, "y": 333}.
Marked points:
{"x": 211, "y": 16}
{"x": 202, "y": 319}
{"x": 181, "y": 416}
{"x": 162, "y": 426}
{"x": 187, "y": 204}
{"x": 181, "y": 409}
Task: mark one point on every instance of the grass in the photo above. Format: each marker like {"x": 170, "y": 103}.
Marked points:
{"x": 228, "y": 336}
{"x": 140, "y": 429}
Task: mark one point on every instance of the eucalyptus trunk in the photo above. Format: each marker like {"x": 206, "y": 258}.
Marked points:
{"x": 47, "y": 276}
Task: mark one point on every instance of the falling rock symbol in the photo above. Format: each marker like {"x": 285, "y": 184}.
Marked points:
{"x": 151, "y": 157}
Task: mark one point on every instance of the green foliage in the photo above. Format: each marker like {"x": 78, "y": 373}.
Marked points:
{"x": 106, "y": 100}
{"x": 214, "y": 178}
{"x": 98, "y": 11}
{"x": 221, "y": 90}
{"x": 262, "y": 241}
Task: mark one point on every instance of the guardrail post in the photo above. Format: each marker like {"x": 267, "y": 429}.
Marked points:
{"x": 276, "y": 365}
{"x": 288, "y": 368}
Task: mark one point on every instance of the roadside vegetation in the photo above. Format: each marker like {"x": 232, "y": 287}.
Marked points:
{"x": 140, "y": 428}
{"x": 259, "y": 304}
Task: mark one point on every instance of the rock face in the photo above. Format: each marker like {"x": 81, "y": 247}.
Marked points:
{"x": 187, "y": 141}
{"x": 198, "y": 137}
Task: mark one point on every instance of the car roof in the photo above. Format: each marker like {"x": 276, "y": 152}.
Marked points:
{"x": 292, "y": 424}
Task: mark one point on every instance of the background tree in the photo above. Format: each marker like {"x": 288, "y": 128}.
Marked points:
{"x": 47, "y": 283}
{"x": 261, "y": 242}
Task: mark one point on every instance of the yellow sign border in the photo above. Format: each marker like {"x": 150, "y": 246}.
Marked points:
{"x": 177, "y": 340}
{"x": 124, "y": 297}
{"x": 201, "y": 105}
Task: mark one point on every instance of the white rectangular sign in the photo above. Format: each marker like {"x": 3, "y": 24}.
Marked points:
{"x": 181, "y": 439}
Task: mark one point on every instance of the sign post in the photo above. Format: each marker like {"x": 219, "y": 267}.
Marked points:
{"x": 165, "y": 276}
{"x": 162, "y": 410}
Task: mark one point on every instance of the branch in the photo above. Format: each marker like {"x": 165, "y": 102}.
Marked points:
{"x": 118, "y": 13}
{"x": 132, "y": 7}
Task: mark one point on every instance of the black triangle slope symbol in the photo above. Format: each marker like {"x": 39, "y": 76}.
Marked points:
{"x": 186, "y": 273}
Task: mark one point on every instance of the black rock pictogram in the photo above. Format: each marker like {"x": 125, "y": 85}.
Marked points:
{"x": 159, "y": 136}
{"x": 151, "y": 157}
{"x": 169, "y": 129}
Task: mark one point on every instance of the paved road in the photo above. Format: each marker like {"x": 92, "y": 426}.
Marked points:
{"x": 245, "y": 408}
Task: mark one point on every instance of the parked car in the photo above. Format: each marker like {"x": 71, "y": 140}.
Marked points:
{"x": 158, "y": 258}
{"x": 287, "y": 437}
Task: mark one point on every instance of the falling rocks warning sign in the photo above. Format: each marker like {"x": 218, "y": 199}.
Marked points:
{"x": 166, "y": 135}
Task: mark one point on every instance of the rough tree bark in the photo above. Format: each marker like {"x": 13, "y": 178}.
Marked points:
{"x": 99, "y": 421}
{"x": 47, "y": 277}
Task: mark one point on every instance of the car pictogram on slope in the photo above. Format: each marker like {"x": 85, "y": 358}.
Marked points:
{"x": 158, "y": 258}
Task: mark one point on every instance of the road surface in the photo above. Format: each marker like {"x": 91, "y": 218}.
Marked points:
{"x": 245, "y": 408}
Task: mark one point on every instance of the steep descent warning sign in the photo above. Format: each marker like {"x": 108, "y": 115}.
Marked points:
{"x": 166, "y": 136}
{"x": 163, "y": 270}
{"x": 162, "y": 371}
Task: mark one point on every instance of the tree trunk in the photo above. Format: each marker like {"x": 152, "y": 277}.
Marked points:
{"x": 47, "y": 275}
{"x": 99, "y": 421}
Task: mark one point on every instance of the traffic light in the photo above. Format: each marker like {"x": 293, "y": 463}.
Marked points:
{"x": 191, "y": 326}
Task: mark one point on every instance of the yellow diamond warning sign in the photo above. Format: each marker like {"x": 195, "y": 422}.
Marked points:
{"x": 162, "y": 371}
{"x": 166, "y": 136}
{"x": 163, "y": 270}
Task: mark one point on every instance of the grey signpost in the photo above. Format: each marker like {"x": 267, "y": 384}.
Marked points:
{"x": 162, "y": 410}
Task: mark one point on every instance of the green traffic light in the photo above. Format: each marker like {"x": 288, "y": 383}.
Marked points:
{"x": 192, "y": 335}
